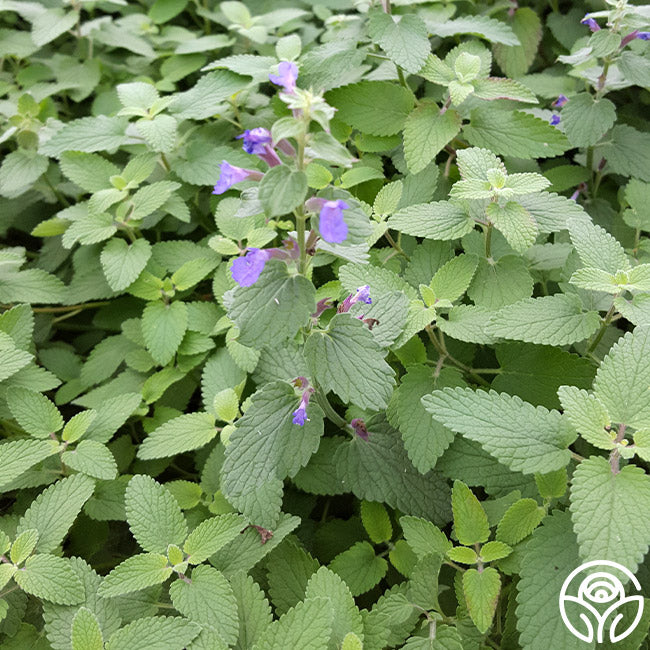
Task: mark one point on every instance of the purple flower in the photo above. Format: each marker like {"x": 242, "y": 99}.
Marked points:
{"x": 555, "y": 120}
{"x": 255, "y": 140}
{"x": 231, "y": 175}
{"x": 245, "y": 270}
{"x": 286, "y": 77}
{"x": 560, "y": 101}
{"x": 591, "y": 23}
{"x": 300, "y": 414}
{"x": 360, "y": 428}
{"x": 644, "y": 36}
{"x": 362, "y": 295}
{"x": 332, "y": 227}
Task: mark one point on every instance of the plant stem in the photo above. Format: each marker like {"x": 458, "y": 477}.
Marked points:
{"x": 63, "y": 309}
{"x": 396, "y": 246}
{"x": 601, "y": 332}
{"x": 302, "y": 245}
{"x": 488, "y": 241}
{"x": 328, "y": 409}
{"x": 401, "y": 77}
{"x": 441, "y": 348}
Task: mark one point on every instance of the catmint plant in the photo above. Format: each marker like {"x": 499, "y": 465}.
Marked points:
{"x": 324, "y": 325}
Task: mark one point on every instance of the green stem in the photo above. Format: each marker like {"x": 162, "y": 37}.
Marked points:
{"x": 302, "y": 245}
{"x": 401, "y": 77}
{"x": 590, "y": 165}
{"x": 58, "y": 310}
{"x": 488, "y": 241}
{"x": 603, "y": 327}
{"x": 396, "y": 246}
{"x": 328, "y": 409}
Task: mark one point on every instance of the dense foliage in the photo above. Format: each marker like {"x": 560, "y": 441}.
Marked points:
{"x": 323, "y": 324}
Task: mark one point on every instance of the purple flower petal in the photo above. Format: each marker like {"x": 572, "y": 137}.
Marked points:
{"x": 300, "y": 416}
{"x": 246, "y": 270}
{"x": 555, "y": 120}
{"x": 286, "y": 77}
{"x": 560, "y": 101}
{"x": 644, "y": 36}
{"x": 255, "y": 140}
{"x": 332, "y": 227}
{"x": 591, "y": 23}
{"x": 229, "y": 176}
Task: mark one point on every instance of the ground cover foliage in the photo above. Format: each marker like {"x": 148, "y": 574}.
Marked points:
{"x": 323, "y": 324}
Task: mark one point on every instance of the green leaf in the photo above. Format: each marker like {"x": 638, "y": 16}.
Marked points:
{"x": 586, "y": 119}
{"x": 596, "y": 247}
{"x": 623, "y": 378}
{"x": 273, "y": 309}
{"x": 463, "y": 555}
{"x": 470, "y": 521}
{"x": 550, "y": 320}
{"x": 374, "y": 107}
{"x": 282, "y": 190}
{"x": 514, "y": 133}
{"x": 488, "y": 28}
{"x": 209, "y": 600}
{"x": 519, "y": 521}
{"x": 34, "y": 412}
{"x": 22, "y": 548}
{"x": 254, "y": 610}
{"x": 552, "y": 545}
{"x": 438, "y": 220}
{"x": 481, "y": 590}
{"x": 86, "y": 633}
{"x": 163, "y": 328}
{"x": 378, "y": 469}
{"x": 527, "y": 439}
{"x": 265, "y": 448}
{"x": 535, "y": 372}
{"x": 515, "y": 60}
{"x": 151, "y": 197}
{"x": 204, "y": 99}
{"x": 614, "y": 500}
{"x": 87, "y": 134}
{"x": 359, "y": 567}
{"x": 51, "y": 578}
{"x": 160, "y": 132}
{"x": 212, "y": 534}
{"x": 153, "y": 514}
{"x": 17, "y": 456}
{"x": 123, "y": 263}
{"x": 155, "y": 633}
{"x": 307, "y": 625}
{"x": 347, "y": 618}
{"x": 20, "y": 170}
{"x": 50, "y": 24}
{"x": 588, "y": 416}
{"x": 183, "y": 433}
{"x": 628, "y": 152}
{"x": 162, "y": 11}
{"x": 92, "y": 458}
{"x": 497, "y": 88}
{"x": 494, "y": 551}
{"x": 424, "y": 537}
{"x": 55, "y": 509}
{"x": 425, "y": 440}
{"x": 345, "y": 359}
{"x": 376, "y": 522}
{"x": 134, "y": 574}
{"x": 515, "y": 223}
{"x": 451, "y": 280}
{"x": 358, "y": 175}
{"x": 426, "y": 133}
{"x": 404, "y": 38}
{"x": 13, "y": 359}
